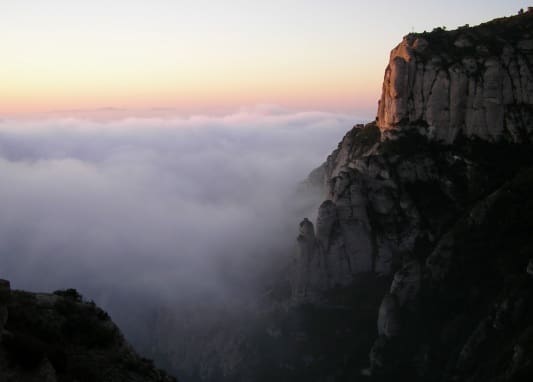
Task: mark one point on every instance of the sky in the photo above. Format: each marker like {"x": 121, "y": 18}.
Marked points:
{"x": 210, "y": 57}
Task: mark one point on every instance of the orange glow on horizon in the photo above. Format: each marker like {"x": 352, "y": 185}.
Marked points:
{"x": 204, "y": 56}
{"x": 64, "y": 61}
{"x": 53, "y": 93}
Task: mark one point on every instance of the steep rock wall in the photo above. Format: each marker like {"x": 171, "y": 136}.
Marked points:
{"x": 433, "y": 196}
{"x": 393, "y": 186}
{"x": 473, "y": 81}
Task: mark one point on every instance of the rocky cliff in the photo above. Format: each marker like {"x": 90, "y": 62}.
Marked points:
{"x": 435, "y": 198}
{"x": 59, "y": 337}
{"x": 419, "y": 264}
{"x": 472, "y": 81}
{"x": 449, "y": 99}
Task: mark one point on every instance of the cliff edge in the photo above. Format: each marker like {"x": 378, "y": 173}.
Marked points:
{"x": 475, "y": 82}
{"x": 59, "y": 337}
{"x": 435, "y": 198}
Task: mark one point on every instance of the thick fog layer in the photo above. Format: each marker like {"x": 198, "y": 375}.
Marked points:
{"x": 156, "y": 207}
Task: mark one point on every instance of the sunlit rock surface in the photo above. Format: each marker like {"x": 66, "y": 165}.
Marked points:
{"x": 473, "y": 81}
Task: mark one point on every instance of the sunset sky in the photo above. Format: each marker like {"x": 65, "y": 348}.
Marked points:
{"x": 211, "y": 56}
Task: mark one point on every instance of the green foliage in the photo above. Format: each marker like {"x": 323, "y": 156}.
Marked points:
{"x": 76, "y": 337}
{"x": 88, "y": 332}
{"x": 367, "y": 136}
{"x": 26, "y": 316}
{"x": 486, "y": 39}
{"x": 85, "y": 324}
{"x": 408, "y": 144}
{"x": 70, "y": 293}
{"x": 42, "y": 330}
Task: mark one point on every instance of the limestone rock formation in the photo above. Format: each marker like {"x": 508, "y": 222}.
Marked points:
{"x": 476, "y": 82}
{"x": 435, "y": 197}
{"x": 438, "y": 89}
{"x": 418, "y": 264}
{"x": 310, "y": 272}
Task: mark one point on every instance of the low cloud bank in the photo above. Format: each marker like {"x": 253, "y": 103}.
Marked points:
{"x": 164, "y": 207}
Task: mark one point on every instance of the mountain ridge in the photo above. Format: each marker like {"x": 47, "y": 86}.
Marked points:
{"x": 59, "y": 337}
{"x": 416, "y": 266}
{"x": 416, "y": 196}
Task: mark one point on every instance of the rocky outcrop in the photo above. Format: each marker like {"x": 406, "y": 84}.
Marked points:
{"x": 59, "y": 337}
{"x": 476, "y": 82}
{"x": 439, "y": 88}
{"x": 358, "y": 189}
{"x": 5, "y": 293}
{"x": 310, "y": 269}
{"x": 388, "y": 318}
{"x": 435, "y": 196}
{"x": 418, "y": 264}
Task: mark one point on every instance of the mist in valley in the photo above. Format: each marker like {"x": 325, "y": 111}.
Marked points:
{"x": 143, "y": 214}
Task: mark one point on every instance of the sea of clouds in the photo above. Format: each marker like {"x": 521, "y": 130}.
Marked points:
{"x": 164, "y": 208}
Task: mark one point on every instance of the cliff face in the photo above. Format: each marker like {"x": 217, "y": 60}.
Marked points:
{"x": 58, "y": 337}
{"x": 435, "y": 198}
{"x": 419, "y": 265}
{"x": 343, "y": 243}
{"x": 473, "y": 81}
{"x": 453, "y": 103}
